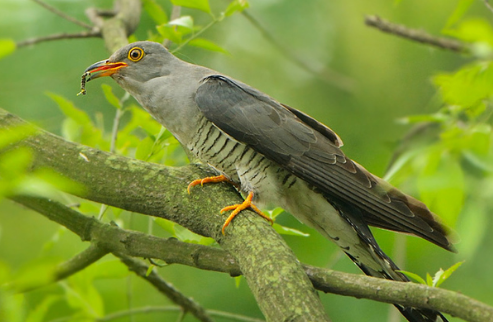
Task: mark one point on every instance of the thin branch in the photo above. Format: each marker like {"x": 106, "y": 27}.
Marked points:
{"x": 63, "y": 15}
{"x": 488, "y": 5}
{"x": 150, "y": 309}
{"x": 83, "y": 34}
{"x": 80, "y": 261}
{"x": 186, "y": 303}
{"x": 331, "y": 77}
{"x": 194, "y": 36}
{"x": 415, "y": 35}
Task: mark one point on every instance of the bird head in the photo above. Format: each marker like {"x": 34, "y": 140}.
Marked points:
{"x": 133, "y": 64}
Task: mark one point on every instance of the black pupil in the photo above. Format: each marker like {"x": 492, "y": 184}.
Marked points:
{"x": 135, "y": 54}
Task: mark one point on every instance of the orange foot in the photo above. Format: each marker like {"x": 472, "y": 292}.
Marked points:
{"x": 221, "y": 178}
{"x": 239, "y": 207}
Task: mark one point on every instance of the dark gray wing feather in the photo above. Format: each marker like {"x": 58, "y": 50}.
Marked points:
{"x": 310, "y": 150}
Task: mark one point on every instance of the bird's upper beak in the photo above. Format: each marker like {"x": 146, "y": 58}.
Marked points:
{"x": 103, "y": 68}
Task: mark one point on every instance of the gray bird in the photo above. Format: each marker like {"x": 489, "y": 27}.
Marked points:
{"x": 276, "y": 154}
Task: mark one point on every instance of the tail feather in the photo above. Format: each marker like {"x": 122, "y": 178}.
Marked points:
{"x": 378, "y": 264}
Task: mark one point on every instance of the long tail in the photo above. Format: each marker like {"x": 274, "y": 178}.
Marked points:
{"x": 374, "y": 262}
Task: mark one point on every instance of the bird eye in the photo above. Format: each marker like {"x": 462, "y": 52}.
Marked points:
{"x": 135, "y": 54}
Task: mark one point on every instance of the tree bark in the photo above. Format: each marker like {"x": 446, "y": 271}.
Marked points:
{"x": 274, "y": 275}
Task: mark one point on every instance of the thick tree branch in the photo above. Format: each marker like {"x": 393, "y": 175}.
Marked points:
{"x": 130, "y": 243}
{"x": 414, "y": 34}
{"x": 273, "y": 273}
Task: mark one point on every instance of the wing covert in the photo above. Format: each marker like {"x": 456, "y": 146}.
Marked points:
{"x": 310, "y": 150}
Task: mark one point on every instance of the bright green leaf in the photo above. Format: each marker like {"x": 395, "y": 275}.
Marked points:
{"x": 195, "y": 4}
{"x": 458, "y": 13}
{"x": 68, "y": 108}
{"x": 110, "y": 97}
{"x": 167, "y": 225}
{"x": 238, "y": 281}
{"x": 429, "y": 279}
{"x": 236, "y": 6}
{"x": 155, "y": 11}
{"x": 7, "y": 47}
{"x": 39, "y": 312}
{"x": 208, "y": 45}
{"x": 184, "y": 21}
{"x": 282, "y": 230}
{"x": 468, "y": 86}
{"x": 444, "y": 275}
{"x": 144, "y": 149}
{"x": 15, "y": 134}
{"x": 149, "y": 270}
{"x": 441, "y": 185}
{"x": 414, "y": 276}
{"x": 473, "y": 30}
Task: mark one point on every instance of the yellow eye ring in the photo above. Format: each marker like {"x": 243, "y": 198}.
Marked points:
{"x": 135, "y": 54}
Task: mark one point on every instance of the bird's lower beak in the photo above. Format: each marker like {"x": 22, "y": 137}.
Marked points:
{"x": 102, "y": 68}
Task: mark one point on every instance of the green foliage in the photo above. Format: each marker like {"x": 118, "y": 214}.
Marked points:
{"x": 195, "y": 4}
{"x": 155, "y": 11}
{"x": 236, "y": 6}
{"x": 7, "y": 47}
{"x": 435, "y": 281}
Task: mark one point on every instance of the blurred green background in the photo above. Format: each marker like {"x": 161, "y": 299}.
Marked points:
{"x": 389, "y": 78}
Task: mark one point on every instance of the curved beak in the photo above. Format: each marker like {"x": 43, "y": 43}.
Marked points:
{"x": 102, "y": 68}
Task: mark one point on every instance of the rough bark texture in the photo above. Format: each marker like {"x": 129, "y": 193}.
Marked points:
{"x": 274, "y": 275}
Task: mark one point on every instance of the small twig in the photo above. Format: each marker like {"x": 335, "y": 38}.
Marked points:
{"x": 150, "y": 309}
{"x": 63, "y": 15}
{"x": 83, "y": 34}
{"x": 330, "y": 76}
{"x": 415, "y": 35}
{"x": 488, "y": 5}
{"x": 175, "y": 14}
{"x": 198, "y": 33}
{"x": 188, "y": 305}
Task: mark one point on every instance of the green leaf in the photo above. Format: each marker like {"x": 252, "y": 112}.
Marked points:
{"x": 155, "y": 11}
{"x": 12, "y": 307}
{"x": 7, "y": 47}
{"x": 39, "y": 312}
{"x": 68, "y": 108}
{"x": 468, "y": 86}
{"x": 429, "y": 280}
{"x": 183, "y": 21}
{"x": 236, "y": 6}
{"x": 208, "y": 45}
{"x": 441, "y": 184}
{"x": 283, "y": 230}
{"x": 144, "y": 149}
{"x": 238, "y": 280}
{"x": 149, "y": 270}
{"x": 442, "y": 276}
{"x": 167, "y": 225}
{"x": 15, "y": 134}
{"x": 414, "y": 276}
{"x": 458, "y": 13}
{"x": 110, "y": 97}
{"x": 473, "y": 30}
{"x": 275, "y": 212}
{"x": 195, "y": 4}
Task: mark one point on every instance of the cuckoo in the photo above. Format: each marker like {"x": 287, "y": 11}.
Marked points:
{"x": 276, "y": 155}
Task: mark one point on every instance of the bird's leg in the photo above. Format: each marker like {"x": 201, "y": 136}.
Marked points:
{"x": 221, "y": 178}
{"x": 239, "y": 207}
{"x": 236, "y": 208}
